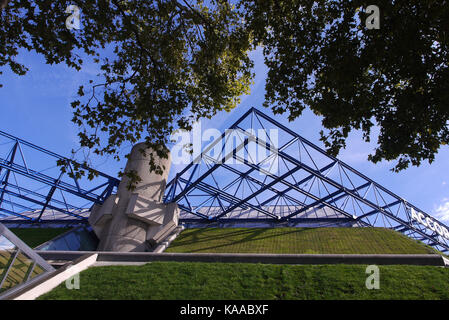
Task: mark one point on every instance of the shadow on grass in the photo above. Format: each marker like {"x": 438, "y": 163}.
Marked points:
{"x": 296, "y": 240}
{"x": 251, "y": 235}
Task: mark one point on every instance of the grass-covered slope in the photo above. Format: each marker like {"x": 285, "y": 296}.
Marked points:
{"x": 36, "y": 236}
{"x": 296, "y": 240}
{"x": 203, "y": 281}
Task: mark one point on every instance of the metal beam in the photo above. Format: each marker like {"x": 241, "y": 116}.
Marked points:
{"x": 379, "y": 201}
{"x": 72, "y": 189}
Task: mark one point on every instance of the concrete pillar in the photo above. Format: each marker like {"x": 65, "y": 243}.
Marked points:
{"x": 136, "y": 220}
{"x": 152, "y": 185}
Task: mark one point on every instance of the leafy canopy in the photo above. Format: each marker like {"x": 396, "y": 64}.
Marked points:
{"x": 321, "y": 55}
{"x": 167, "y": 63}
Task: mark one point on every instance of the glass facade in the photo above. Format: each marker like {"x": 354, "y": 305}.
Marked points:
{"x": 18, "y": 262}
{"x": 77, "y": 239}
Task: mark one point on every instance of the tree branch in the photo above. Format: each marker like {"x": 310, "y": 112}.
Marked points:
{"x": 188, "y": 8}
{"x": 136, "y": 33}
{"x": 3, "y": 4}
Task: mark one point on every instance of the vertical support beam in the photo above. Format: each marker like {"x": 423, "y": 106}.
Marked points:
{"x": 49, "y": 196}
{"x": 6, "y": 180}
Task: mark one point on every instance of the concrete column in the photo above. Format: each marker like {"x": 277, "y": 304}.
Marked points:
{"x": 136, "y": 220}
{"x": 152, "y": 185}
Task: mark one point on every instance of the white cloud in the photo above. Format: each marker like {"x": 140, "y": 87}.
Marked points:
{"x": 442, "y": 210}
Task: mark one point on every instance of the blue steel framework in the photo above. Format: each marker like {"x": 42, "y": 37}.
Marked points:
{"x": 32, "y": 192}
{"x": 285, "y": 177}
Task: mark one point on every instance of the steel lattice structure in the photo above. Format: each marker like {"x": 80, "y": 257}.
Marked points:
{"x": 249, "y": 174}
{"x": 258, "y": 170}
{"x": 33, "y": 187}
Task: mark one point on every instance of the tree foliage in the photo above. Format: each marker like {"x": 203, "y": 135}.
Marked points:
{"x": 167, "y": 63}
{"x": 321, "y": 55}
{"x": 164, "y": 64}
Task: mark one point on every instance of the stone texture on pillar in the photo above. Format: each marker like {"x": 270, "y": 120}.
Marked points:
{"x": 136, "y": 220}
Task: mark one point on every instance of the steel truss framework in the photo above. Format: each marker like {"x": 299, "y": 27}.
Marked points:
{"x": 33, "y": 187}
{"x": 250, "y": 174}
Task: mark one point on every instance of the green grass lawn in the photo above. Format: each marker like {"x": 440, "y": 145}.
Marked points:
{"x": 297, "y": 240}
{"x": 36, "y": 236}
{"x": 202, "y": 281}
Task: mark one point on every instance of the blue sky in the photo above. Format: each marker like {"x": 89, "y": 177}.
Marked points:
{"x": 36, "y": 107}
